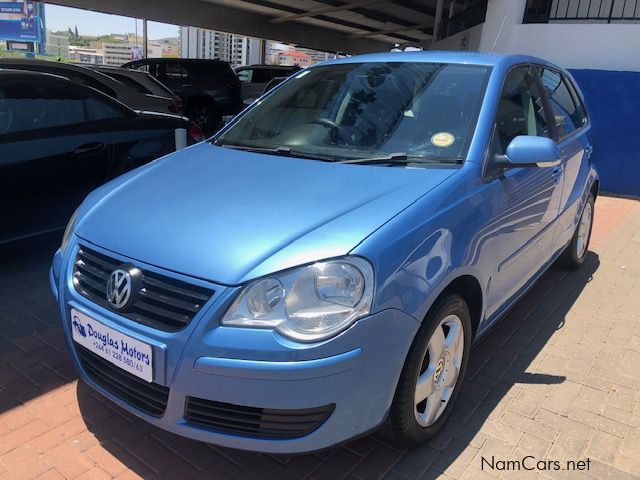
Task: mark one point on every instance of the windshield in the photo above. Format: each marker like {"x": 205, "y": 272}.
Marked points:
{"x": 425, "y": 112}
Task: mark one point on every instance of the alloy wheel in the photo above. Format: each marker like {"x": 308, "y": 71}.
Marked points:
{"x": 584, "y": 229}
{"x": 439, "y": 371}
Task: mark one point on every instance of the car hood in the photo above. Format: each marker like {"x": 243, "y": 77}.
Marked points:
{"x": 228, "y": 216}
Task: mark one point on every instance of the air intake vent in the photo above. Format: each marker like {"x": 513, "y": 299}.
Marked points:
{"x": 255, "y": 422}
{"x": 163, "y": 302}
{"x": 151, "y": 398}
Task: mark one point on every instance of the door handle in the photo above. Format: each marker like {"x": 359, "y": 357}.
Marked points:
{"x": 556, "y": 173}
{"x": 589, "y": 151}
{"x": 89, "y": 148}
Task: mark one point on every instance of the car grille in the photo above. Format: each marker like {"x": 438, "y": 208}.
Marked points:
{"x": 163, "y": 303}
{"x": 151, "y": 398}
{"x": 255, "y": 422}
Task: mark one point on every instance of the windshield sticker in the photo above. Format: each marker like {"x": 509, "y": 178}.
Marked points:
{"x": 443, "y": 139}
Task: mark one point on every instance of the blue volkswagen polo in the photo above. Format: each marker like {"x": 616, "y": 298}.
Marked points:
{"x": 322, "y": 266}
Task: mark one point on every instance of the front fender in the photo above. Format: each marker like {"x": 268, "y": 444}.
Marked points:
{"x": 445, "y": 235}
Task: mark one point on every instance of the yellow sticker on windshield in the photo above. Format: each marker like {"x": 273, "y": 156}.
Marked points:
{"x": 443, "y": 139}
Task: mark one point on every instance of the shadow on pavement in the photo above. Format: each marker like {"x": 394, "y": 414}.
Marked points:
{"x": 33, "y": 356}
{"x": 498, "y": 363}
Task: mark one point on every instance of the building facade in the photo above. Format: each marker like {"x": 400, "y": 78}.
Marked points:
{"x": 597, "y": 40}
{"x": 235, "y": 49}
{"x": 57, "y": 45}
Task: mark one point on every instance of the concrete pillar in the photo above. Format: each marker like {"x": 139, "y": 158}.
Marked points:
{"x": 145, "y": 39}
{"x": 437, "y": 20}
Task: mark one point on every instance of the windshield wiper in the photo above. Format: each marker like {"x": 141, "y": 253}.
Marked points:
{"x": 281, "y": 151}
{"x": 391, "y": 158}
{"x": 402, "y": 159}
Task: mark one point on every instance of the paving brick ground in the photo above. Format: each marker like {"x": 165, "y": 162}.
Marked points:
{"x": 558, "y": 379}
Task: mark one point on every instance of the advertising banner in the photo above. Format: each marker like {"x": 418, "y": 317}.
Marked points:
{"x": 19, "y": 21}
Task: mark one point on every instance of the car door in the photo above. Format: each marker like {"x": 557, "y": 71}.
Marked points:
{"x": 530, "y": 197}
{"x": 570, "y": 122}
{"x": 134, "y": 139}
{"x": 51, "y": 157}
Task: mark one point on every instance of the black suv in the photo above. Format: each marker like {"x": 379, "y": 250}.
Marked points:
{"x": 208, "y": 88}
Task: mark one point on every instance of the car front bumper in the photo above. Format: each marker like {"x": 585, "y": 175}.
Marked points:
{"x": 354, "y": 373}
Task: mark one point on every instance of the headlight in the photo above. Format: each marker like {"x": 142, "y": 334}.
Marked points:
{"x": 68, "y": 232}
{"x": 309, "y": 303}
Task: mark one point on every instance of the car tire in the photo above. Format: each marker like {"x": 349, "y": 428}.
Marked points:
{"x": 576, "y": 252}
{"x": 205, "y": 114}
{"x": 410, "y": 421}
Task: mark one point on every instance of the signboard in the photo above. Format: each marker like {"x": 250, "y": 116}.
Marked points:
{"x": 13, "y": 46}
{"x": 19, "y": 21}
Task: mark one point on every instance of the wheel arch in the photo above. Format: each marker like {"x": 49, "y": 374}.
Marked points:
{"x": 595, "y": 188}
{"x": 468, "y": 287}
{"x": 201, "y": 97}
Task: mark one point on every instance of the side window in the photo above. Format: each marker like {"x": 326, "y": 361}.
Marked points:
{"x": 521, "y": 109}
{"x": 581, "y": 114}
{"x": 142, "y": 67}
{"x": 34, "y": 106}
{"x": 175, "y": 70}
{"x": 568, "y": 115}
{"x": 98, "y": 109}
{"x": 245, "y": 75}
{"x": 262, "y": 75}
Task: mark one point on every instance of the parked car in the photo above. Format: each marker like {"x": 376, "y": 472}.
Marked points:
{"x": 60, "y": 140}
{"x": 131, "y": 97}
{"x": 274, "y": 82}
{"x": 254, "y": 78}
{"x": 142, "y": 82}
{"x": 322, "y": 265}
{"x": 209, "y": 89}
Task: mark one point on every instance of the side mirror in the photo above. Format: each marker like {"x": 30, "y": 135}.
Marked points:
{"x": 530, "y": 151}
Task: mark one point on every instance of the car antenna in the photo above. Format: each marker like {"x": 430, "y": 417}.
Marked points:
{"x": 498, "y": 35}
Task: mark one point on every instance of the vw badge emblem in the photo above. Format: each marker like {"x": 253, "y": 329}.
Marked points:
{"x": 119, "y": 288}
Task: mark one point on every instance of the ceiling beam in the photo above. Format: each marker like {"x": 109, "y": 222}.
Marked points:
{"x": 423, "y": 27}
{"x": 416, "y": 6}
{"x": 323, "y": 10}
{"x": 233, "y": 20}
{"x": 376, "y": 15}
{"x": 334, "y": 20}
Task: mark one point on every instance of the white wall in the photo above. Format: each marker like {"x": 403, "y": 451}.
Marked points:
{"x": 594, "y": 46}
{"x": 571, "y": 45}
{"x": 467, "y": 40}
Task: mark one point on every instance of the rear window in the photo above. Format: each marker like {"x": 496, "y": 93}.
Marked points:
{"x": 210, "y": 69}
{"x": 161, "y": 87}
{"x": 87, "y": 80}
{"x": 130, "y": 82}
{"x": 568, "y": 112}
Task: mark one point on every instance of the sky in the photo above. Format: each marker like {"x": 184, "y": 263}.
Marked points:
{"x": 94, "y": 23}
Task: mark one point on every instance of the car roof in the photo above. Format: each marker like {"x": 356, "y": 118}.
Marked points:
{"x": 44, "y": 63}
{"x": 273, "y": 67}
{"x": 13, "y": 74}
{"x": 458, "y": 57}
{"x": 178, "y": 60}
{"x": 63, "y": 66}
{"x": 122, "y": 71}
{"x": 8, "y": 74}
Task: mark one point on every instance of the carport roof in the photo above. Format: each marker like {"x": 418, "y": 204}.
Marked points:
{"x": 353, "y": 26}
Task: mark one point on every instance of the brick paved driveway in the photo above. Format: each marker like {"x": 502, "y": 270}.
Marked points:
{"x": 558, "y": 379}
